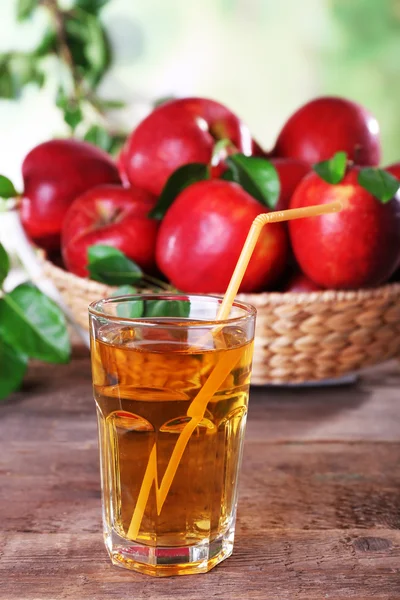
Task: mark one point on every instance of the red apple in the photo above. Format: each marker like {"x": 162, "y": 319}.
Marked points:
{"x": 355, "y": 248}
{"x": 114, "y": 216}
{"x": 290, "y": 172}
{"x": 327, "y": 125}
{"x": 203, "y": 232}
{"x": 394, "y": 170}
{"x": 300, "y": 283}
{"x": 176, "y": 133}
{"x": 54, "y": 174}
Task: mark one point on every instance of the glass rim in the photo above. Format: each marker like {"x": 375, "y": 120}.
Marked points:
{"x": 249, "y": 311}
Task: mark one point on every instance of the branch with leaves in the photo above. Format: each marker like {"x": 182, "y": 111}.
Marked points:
{"x": 77, "y": 39}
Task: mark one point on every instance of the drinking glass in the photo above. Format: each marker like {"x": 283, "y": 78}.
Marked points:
{"x": 171, "y": 388}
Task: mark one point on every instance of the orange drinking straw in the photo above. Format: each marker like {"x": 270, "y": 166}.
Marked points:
{"x": 228, "y": 361}
{"x": 251, "y": 240}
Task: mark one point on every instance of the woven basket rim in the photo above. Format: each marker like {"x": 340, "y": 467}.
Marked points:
{"x": 257, "y": 299}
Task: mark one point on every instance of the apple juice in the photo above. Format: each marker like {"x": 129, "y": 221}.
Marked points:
{"x": 144, "y": 384}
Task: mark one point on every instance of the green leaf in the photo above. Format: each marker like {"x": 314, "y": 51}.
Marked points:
{"x": 7, "y": 189}
{"x": 33, "y": 325}
{"x": 228, "y": 175}
{"x": 73, "y": 116}
{"x": 12, "y": 369}
{"x": 4, "y": 264}
{"x": 7, "y": 88}
{"x": 379, "y": 183}
{"x": 332, "y": 170}
{"x": 257, "y": 176}
{"x": 17, "y": 70}
{"x": 110, "y": 266}
{"x": 88, "y": 45}
{"x": 97, "y": 49}
{"x": 167, "y": 308}
{"x": 72, "y": 111}
{"x": 25, "y": 9}
{"x": 61, "y": 98}
{"x": 47, "y": 45}
{"x": 132, "y": 309}
{"x": 99, "y": 137}
{"x": 176, "y": 183}
{"x": 91, "y": 6}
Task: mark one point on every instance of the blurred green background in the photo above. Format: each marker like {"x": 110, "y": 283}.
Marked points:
{"x": 263, "y": 58}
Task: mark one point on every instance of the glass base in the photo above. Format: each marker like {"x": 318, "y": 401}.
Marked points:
{"x": 166, "y": 561}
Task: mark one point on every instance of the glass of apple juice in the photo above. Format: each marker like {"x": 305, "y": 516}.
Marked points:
{"x": 171, "y": 389}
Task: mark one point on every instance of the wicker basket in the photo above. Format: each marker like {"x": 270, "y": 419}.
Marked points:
{"x": 299, "y": 336}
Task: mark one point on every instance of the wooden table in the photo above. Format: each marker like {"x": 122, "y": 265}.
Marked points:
{"x": 319, "y": 510}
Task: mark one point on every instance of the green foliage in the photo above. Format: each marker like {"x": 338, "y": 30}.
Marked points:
{"x": 31, "y": 326}
{"x": 379, "y": 183}
{"x": 70, "y": 107}
{"x": 167, "y": 308}
{"x": 332, "y": 170}
{"x": 99, "y": 136}
{"x": 256, "y": 175}
{"x": 25, "y": 9}
{"x": 88, "y": 45}
{"x": 7, "y": 189}
{"x": 132, "y": 309}
{"x": 91, "y": 6}
{"x": 77, "y": 38}
{"x": 136, "y": 308}
{"x": 12, "y": 369}
{"x": 4, "y": 264}
{"x": 16, "y": 71}
{"x": 47, "y": 45}
{"x": 109, "y": 265}
{"x": 176, "y": 183}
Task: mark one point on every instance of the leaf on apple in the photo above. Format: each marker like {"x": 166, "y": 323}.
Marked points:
{"x": 7, "y": 189}
{"x": 256, "y": 175}
{"x": 379, "y": 183}
{"x": 4, "y": 264}
{"x": 13, "y": 367}
{"x": 167, "y": 308}
{"x": 33, "y": 325}
{"x": 333, "y": 170}
{"x": 132, "y": 309}
{"x": 111, "y": 266}
{"x": 176, "y": 183}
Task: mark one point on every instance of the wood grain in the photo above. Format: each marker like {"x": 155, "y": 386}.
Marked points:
{"x": 319, "y": 509}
